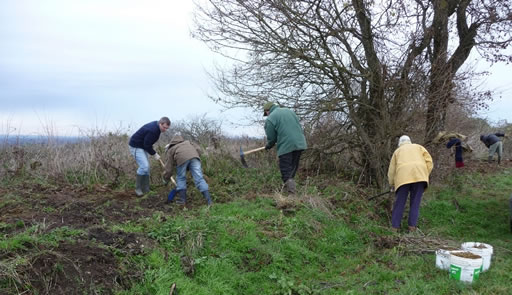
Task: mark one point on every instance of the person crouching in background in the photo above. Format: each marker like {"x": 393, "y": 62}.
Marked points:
{"x": 459, "y": 162}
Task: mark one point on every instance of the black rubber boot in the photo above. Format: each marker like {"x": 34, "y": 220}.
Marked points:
{"x": 290, "y": 186}
{"x": 145, "y": 184}
{"x": 489, "y": 159}
{"x": 138, "y": 185}
{"x": 499, "y": 160}
{"x": 183, "y": 197}
{"x": 206, "y": 195}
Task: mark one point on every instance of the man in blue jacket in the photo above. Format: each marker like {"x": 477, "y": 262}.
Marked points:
{"x": 283, "y": 129}
{"x": 141, "y": 145}
{"x": 494, "y": 144}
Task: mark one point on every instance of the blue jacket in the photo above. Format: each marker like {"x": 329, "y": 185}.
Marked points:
{"x": 458, "y": 148}
{"x": 491, "y": 139}
{"x": 145, "y": 137}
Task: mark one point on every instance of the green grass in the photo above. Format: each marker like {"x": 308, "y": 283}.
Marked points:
{"x": 246, "y": 245}
{"x": 250, "y": 247}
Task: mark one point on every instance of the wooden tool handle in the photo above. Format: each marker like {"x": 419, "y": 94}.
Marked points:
{"x": 163, "y": 166}
{"x": 254, "y": 150}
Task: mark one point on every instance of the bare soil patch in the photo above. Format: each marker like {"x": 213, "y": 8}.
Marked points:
{"x": 91, "y": 264}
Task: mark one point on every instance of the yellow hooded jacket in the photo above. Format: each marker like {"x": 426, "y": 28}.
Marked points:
{"x": 410, "y": 163}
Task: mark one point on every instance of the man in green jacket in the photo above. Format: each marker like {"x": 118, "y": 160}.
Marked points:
{"x": 283, "y": 129}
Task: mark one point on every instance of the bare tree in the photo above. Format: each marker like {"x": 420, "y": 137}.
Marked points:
{"x": 373, "y": 66}
{"x": 459, "y": 26}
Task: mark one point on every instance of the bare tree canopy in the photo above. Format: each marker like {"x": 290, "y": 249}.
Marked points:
{"x": 365, "y": 69}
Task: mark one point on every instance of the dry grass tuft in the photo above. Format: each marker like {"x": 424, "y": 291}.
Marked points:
{"x": 292, "y": 202}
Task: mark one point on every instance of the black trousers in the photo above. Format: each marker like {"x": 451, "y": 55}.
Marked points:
{"x": 289, "y": 164}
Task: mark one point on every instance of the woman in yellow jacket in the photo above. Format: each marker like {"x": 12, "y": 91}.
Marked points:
{"x": 408, "y": 172}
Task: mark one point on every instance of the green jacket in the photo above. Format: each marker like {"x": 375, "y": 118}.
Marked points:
{"x": 282, "y": 127}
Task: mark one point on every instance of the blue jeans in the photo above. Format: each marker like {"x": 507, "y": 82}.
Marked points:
{"x": 194, "y": 165}
{"x": 141, "y": 157}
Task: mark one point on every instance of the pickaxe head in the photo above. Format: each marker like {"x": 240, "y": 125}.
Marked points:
{"x": 242, "y": 158}
{"x": 242, "y": 154}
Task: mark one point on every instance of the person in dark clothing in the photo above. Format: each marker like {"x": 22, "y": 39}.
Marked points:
{"x": 459, "y": 162}
{"x": 141, "y": 145}
{"x": 494, "y": 144}
{"x": 185, "y": 156}
{"x": 283, "y": 129}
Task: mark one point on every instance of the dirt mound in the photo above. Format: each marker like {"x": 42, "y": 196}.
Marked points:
{"x": 75, "y": 209}
{"x": 129, "y": 243}
{"x": 72, "y": 267}
{"x": 87, "y": 266}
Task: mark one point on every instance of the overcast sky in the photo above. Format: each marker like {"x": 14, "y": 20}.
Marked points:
{"x": 95, "y": 64}
{"x": 88, "y": 64}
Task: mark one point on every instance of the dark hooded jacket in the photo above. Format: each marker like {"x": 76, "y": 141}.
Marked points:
{"x": 458, "y": 148}
{"x": 491, "y": 139}
{"x": 178, "y": 152}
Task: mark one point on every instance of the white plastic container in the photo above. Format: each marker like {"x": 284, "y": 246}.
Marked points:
{"x": 481, "y": 249}
{"x": 465, "y": 269}
{"x": 443, "y": 257}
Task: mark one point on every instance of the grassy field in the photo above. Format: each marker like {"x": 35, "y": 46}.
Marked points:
{"x": 66, "y": 239}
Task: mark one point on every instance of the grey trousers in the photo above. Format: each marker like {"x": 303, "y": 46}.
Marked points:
{"x": 496, "y": 147}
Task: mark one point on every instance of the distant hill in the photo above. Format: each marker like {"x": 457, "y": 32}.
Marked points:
{"x": 38, "y": 139}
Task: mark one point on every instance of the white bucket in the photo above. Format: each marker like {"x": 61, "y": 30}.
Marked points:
{"x": 465, "y": 269}
{"x": 443, "y": 257}
{"x": 481, "y": 249}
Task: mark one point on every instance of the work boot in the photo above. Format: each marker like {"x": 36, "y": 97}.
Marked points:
{"x": 499, "y": 160}
{"x": 145, "y": 184}
{"x": 171, "y": 196}
{"x": 138, "y": 185}
{"x": 206, "y": 195}
{"x": 290, "y": 186}
{"x": 489, "y": 160}
{"x": 183, "y": 197}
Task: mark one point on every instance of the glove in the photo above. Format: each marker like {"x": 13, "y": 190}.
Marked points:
{"x": 267, "y": 147}
{"x": 167, "y": 146}
{"x": 165, "y": 181}
{"x": 157, "y": 156}
{"x": 392, "y": 189}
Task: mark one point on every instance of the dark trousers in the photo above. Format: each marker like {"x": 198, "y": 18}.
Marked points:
{"x": 288, "y": 164}
{"x": 416, "y": 190}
